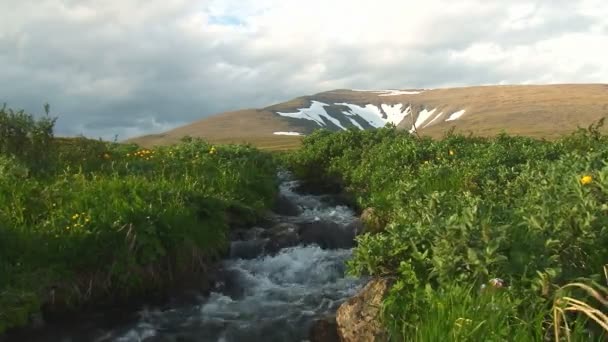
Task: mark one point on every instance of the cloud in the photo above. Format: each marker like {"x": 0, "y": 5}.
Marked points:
{"x": 131, "y": 67}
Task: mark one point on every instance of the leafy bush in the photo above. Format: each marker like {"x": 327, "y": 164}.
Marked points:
{"x": 463, "y": 210}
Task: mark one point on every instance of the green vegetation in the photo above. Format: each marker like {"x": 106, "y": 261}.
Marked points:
{"x": 451, "y": 215}
{"x": 84, "y": 221}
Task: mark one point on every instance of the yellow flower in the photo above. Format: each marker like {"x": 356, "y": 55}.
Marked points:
{"x": 586, "y": 180}
{"x": 451, "y": 152}
{"x": 75, "y": 216}
{"x": 462, "y": 321}
{"x": 426, "y": 161}
{"x": 128, "y": 154}
{"x": 106, "y": 156}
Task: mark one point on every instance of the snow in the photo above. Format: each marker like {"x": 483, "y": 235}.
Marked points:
{"x": 434, "y": 119}
{"x": 455, "y": 116}
{"x": 355, "y": 123}
{"x": 423, "y": 116}
{"x": 395, "y": 113}
{"x": 371, "y": 114}
{"x": 376, "y": 116}
{"x": 390, "y": 92}
{"x": 316, "y": 112}
{"x": 399, "y": 92}
{"x": 287, "y": 133}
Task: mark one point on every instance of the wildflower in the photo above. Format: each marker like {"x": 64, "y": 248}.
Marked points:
{"x": 586, "y": 180}
{"x": 426, "y": 161}
{"x": 212, "y": 150}
{"x": 75, "y": 216}
{"x": 497, "y": 282}
{"x": 451, "y": 152}
{"x": 459, "y": 322}
{"x": 128, "y": 154}
{"x": 106, "y": 156}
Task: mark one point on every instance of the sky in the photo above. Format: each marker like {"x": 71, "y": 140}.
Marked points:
{"x": 130, "y": 67}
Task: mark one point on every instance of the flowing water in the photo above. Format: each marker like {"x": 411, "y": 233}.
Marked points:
{"x": 267, "y": 298}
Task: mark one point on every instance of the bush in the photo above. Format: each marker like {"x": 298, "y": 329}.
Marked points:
{"x": 463, "y": 210}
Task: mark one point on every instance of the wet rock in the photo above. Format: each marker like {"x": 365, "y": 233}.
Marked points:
{"x": 247, "y": 249}
{"x": 358, "y": 319}
{"x": 327, "y": 235}
{"x": 284, "y": 206}
{"x": 282, "y": 236}
{"x": 247, "y": 234}
{"x": 324, "y": 330}
{"x": 357, "y": 227}
{"x": 371, "y": 220}
{"x": 230, "y": 284}
{"x": 281, "y": 228}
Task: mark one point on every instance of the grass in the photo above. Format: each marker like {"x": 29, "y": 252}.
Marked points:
{"x": 91, "y": 223}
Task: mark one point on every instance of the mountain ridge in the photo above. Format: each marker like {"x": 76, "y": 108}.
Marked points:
{"x": 544, "y": 111}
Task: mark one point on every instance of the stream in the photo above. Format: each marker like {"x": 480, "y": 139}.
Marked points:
{"x": 275, "y": 283}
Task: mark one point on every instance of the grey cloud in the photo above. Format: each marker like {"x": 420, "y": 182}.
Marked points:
{"x": 137, "y": 71}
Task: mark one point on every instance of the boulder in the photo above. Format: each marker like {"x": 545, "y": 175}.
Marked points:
{"x": 328, "y": 235}
{"x": 284, "y": 206}
{"x": 371, "y": 220}
{"x": 282, "y": 236}
{"x": 247, "y": 249}
{"x": 229, "y": 283}
{"x": 357, "y": 227}
{"x": 358, "y": 319}
{"x": 324, "y": 330}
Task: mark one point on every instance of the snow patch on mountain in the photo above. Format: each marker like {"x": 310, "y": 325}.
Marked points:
{"x": 423, "y": 116}
{"x": 455, "y": 116}
{"x": 434, "y": 119}
{"x": 399, "y": 92}
{"x": 370, "y": 113}
{"x": 356, "y": 124}
{"x": 390, "y": 92}
{"x": 316, "y": 112}
{"x": 395, "y": 113}
{"x": 373, "y": 115}
{"x": 287, "y": 133}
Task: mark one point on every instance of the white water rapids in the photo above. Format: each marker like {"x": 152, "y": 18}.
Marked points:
{"x": 270, "y": 298}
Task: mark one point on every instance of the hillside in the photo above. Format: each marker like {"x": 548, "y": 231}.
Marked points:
{"x": 534, "y": 110}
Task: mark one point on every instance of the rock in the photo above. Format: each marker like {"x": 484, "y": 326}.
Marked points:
{"x": 371, "y": 220}
{"x": 281, "y": 228}
{"x": 324, "y": 330}
{"x": 284, "y": 206}
{"x": 327, "y": 235}
{"x": 357, "y": 227}
{"x": 248, "y": 234}
{"x": 230, "y": 284}
{"x": 248, "y": 249}
{"x": 282, "y": 236}
{"x": 358, "y": 319}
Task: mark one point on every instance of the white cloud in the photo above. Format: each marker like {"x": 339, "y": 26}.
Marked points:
{"x": 122, "y": 65}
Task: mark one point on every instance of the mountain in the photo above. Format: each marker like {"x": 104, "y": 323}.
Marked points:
{"x": 534, "y": 110}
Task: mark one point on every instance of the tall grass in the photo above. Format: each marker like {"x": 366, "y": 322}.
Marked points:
{"x": 91, "y": 222}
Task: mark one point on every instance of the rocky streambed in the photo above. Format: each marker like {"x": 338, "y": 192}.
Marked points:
{"x": 279, "y": 283}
